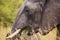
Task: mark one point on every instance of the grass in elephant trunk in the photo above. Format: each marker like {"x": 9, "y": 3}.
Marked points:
{"x": 50, "y": 36}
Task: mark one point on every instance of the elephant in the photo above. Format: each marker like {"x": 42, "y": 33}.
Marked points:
{"x": 28, "y": 15}
{"x": 41, "y": 15}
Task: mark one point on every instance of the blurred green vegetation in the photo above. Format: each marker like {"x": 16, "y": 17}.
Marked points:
{"x": 8, "y": 11}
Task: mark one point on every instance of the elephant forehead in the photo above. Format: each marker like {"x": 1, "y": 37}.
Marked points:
{"x": 32, "y": 5}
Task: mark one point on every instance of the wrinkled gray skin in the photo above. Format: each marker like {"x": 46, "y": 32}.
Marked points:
{"x": 39, "y": 14}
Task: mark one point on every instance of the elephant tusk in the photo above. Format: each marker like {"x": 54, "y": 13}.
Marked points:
{"x": 14, "y": 34}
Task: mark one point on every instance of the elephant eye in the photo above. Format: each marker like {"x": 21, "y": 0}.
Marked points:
{"x": 27, "y": 10}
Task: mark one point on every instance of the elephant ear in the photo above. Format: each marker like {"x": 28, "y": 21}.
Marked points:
{"x": 50, "y": 18}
